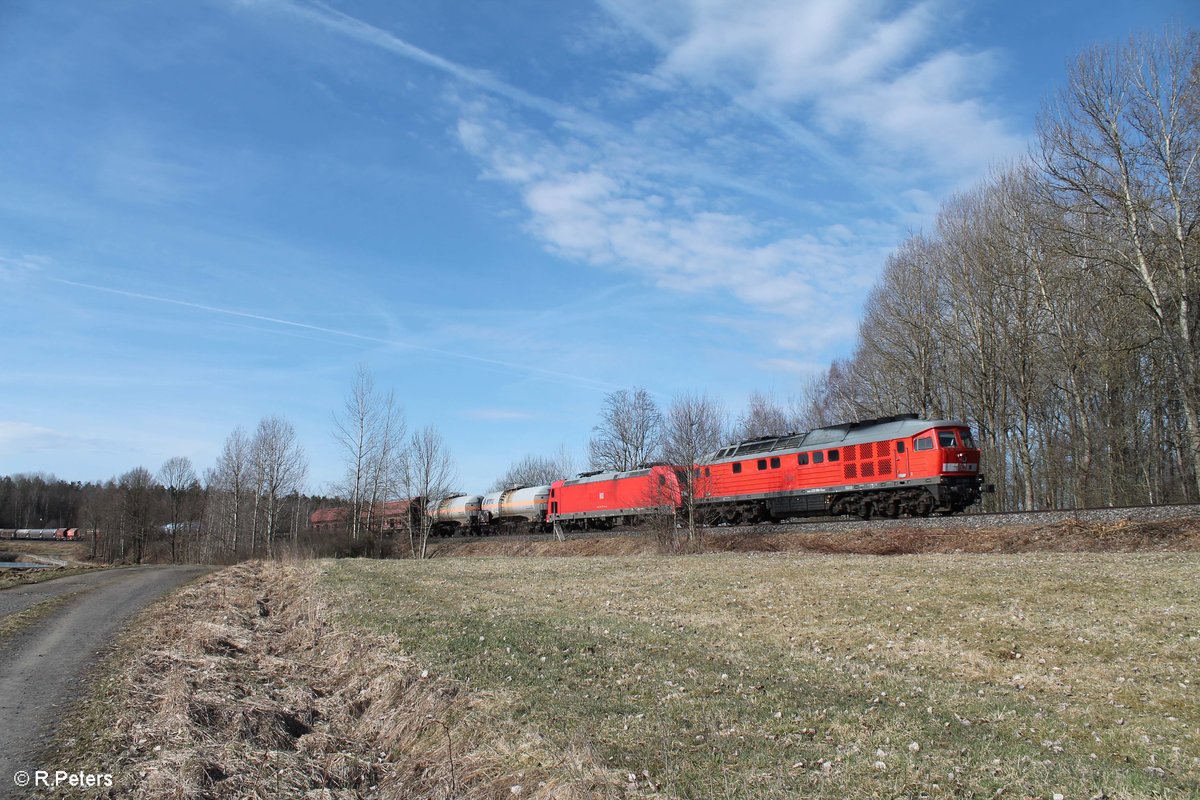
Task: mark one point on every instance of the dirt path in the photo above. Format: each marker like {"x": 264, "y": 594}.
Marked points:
{"x": 41, "y": 666}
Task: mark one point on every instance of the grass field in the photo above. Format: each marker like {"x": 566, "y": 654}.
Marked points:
{"x": 827, "y": 676}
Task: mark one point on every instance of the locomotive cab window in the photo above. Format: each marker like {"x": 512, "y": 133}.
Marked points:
{"x": 802, "y": 459}
{"x": 737, "y": 467}
{"x": 662, "y": 480}
{"x": 833, "y": 455}
{"x": 947, "y": 439}
{"x": 967, "y": 439}
{"x": 899, "y": 447}
{"x": 707, "y": 472}
{"x": 775, "y": 462}
{"x": 818, "y": 457}
{"x": 924, "y": 443}
{"x": 762, "y": 463}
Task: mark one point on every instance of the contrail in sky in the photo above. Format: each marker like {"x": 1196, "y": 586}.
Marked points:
{"x": 591, "y": 383}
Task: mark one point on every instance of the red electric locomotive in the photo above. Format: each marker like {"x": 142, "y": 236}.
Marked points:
{"x": 604, "y": 499}
{"x": 889, "y": 466}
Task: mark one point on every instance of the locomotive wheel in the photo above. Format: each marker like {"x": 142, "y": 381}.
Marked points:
{"x": 892, "y": 509}
{"x": 866, "y": 509}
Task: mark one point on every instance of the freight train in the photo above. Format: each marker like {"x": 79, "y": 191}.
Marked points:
{"x": 59, "y": 534}
{"x": 887, "y": 467}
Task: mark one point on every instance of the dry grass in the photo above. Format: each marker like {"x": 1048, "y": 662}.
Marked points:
{"x": 21, "y": 577}
{"x": 242, "y": 688}
{"x": 727, "y": 675}
{"x": 827, "y": 676}
{"x": 68, "y": 551}
{"x": 15, "y": 623}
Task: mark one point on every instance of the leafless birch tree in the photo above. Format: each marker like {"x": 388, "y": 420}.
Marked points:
{"x": 281, "y": 467}
{"x": 428, "y": 478}
{"x": 178, "y": 477}
{"x": 1120, "y": 148}
{"x": 695, "y": 427}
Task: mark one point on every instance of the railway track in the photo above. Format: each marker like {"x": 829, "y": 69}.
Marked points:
{"x": 995, "y": 519}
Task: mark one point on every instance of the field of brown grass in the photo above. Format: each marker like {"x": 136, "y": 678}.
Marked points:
{"x": 728, "y": 675}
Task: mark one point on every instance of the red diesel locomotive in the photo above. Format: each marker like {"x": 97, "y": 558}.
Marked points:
{"x": 889, "y": 466}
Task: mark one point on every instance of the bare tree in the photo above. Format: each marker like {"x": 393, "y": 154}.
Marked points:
{"x": 534, "y": 470}
{"x": 137, "y": 489}
{"x": 386, "y": 468}
{"x": 629, "y": 433}
{"x": 695, "y": 427}
{"x": 233, "y": 477}
{"x": 356, "y": 432}
{"x": 1120, "y": 148}
{"x": 281, "y": 467}
{"x": 763, "y": 417}
{"x": 178, "y": 477}
{"x": 428, "y": 477}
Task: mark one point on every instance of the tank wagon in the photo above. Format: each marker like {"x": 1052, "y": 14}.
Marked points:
{"x": 455, "y": 513}
{"x": 515, "y": 507}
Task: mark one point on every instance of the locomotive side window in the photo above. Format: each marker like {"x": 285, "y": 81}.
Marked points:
{"x": 833, "y": 455}
{"x": 900, "y": 447}
{"x": 737, "y": 467}
{"x": 947, "y": 439}
{"x": 662, "y": 480}
{"x": 818, "y": 458}
{"x": 707, "y": 472}
{"x": 924, "y": 443}
{"x": 762, "y": 463}
{"x": 775, "y": 462}
{"x": 802, "y": 459}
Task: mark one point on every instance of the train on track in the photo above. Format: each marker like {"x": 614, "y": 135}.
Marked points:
{"x": 54, "y": 534}
{"x": 893, "y": 466}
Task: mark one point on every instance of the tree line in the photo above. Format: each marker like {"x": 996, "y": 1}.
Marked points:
{"x": 1056, "y": 306}
{"x": 251, "y": 498}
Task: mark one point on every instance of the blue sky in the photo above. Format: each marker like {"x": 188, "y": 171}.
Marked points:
{"x": 213, "y": 211}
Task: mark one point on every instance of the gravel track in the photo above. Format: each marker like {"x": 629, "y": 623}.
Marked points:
{"x": 42, "y": 665}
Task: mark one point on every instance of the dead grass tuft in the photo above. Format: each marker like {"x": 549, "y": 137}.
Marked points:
{"x": 244, "y": 688}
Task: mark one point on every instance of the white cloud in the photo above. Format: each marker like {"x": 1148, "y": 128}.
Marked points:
{"x": 597, "y": 206}
{"x": 18, "y": 266}
{"x": 871, "y": 80}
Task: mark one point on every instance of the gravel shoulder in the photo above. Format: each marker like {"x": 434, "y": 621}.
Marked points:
{"x": 41, "y": 666}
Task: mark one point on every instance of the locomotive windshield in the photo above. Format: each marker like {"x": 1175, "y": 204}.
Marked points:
{"x": 967, "y": 439}
{"x": 947, "y": 439}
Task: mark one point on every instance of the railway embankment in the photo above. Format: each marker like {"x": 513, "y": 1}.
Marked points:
{"x": 1128, "y": 530}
